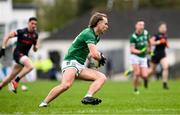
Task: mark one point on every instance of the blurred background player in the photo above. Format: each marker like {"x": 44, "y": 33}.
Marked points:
{"x": 139, "y": 44}
{"x": 73, "y": 64}
{"x": 25, "y": 39}
{"x": 160, "y": 43}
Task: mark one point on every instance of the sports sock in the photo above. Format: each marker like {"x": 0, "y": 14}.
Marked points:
{"x": 165, "y": 85}
{"x": 17, "y": 79}
{"x": 88, "y": 95}
{"x": 135, "y": 89}
{"x": 45, "y": 102}
{"x": 145, "y": 83}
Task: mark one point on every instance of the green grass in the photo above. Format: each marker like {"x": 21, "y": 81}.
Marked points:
{"x": 117, "y": 97}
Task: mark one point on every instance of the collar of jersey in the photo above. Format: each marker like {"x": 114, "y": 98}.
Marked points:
{"x": 97, "y": 37}
{"x": 139, "y": 34}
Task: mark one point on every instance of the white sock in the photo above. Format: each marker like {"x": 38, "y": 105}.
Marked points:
{"x": 88, "y": 95}
{"x": 44, "y": 102}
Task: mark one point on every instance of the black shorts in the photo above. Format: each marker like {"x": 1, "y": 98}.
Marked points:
{"x": 17, "y": 56}
{"x": 156, "y": 58}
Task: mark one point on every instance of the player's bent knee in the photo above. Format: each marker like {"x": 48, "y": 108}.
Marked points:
{"x": 137, "y": 74}
{"x": 103, "y": 78}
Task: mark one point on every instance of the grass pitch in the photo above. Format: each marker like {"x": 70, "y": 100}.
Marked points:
{"x": 118, "y": 98}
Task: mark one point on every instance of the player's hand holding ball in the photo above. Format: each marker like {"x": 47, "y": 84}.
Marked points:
{"x": 102, "y": 61}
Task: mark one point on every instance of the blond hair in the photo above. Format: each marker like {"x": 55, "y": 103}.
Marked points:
{"x": 95, "y": 18}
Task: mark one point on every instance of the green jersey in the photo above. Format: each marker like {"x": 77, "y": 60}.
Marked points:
{"x": 79, "y": 48}
{"x": 140, "y": 41}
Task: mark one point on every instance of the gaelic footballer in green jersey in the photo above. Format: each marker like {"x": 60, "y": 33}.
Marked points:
{"x": 73, "y": 65}
{"x": 140, "y": 42}
{"x": 79, "y": 49}
{"x": 138, "y": 48}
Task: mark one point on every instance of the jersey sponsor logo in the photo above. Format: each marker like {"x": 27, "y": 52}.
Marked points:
{"x": 26, "y": 42}
{"x": 142, "y": 42}
{"x": 25, "y": 35}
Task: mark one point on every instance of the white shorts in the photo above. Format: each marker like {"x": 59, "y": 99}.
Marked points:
{"x": 142, "y": 61}
{"x": 72, "y": 64}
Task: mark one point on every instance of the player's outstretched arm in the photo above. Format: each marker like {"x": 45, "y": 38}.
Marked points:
{"x": 7, "y": 37}
{"x": 5, "y": 42}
